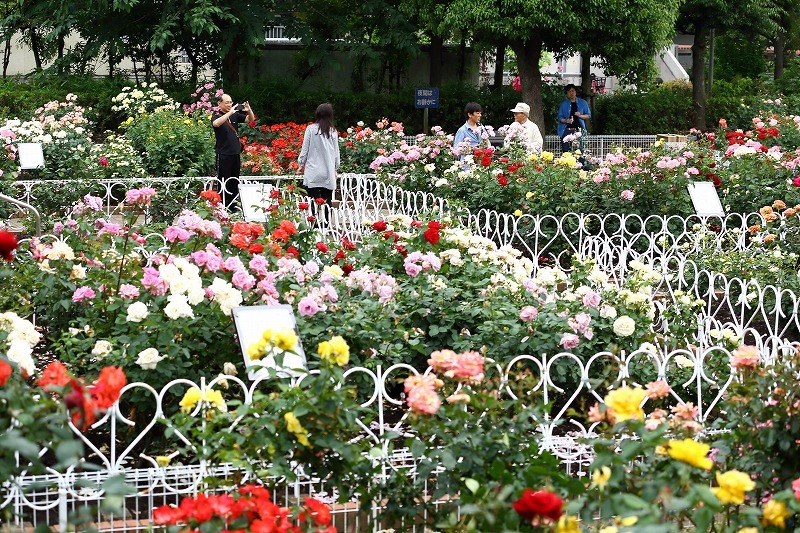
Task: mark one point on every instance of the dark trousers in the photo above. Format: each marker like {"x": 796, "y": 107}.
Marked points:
{"x": 321, "y": 212}
{"x": 228, "y": 174}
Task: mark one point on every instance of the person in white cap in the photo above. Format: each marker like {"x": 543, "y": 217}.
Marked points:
{"x": 533, "y": 137}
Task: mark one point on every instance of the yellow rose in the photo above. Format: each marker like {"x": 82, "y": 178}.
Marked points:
{"x": 626, "y": 402}
{"x": 162, "y": 460}
{"x": 214, "y": 397}
{"x": 567, "y": 524}
{"x": 517, "y": 213}
{"x": 600, "y": 477}
{"x": 293, "y": 425}
{"x": 609, "y": 529}
{"x": 533, "y": 157}
{"x": 547, "y": 156}
{"x": 528, "y": 194}
{"x": 732, "y": 486}
{"x": 774, "y": 513}
{"x": 748, "y": 530}
{"x": 690, "y": 452}
{"x": 190, "y": 399}
{"x": 335, "y": 350}
{"x": 285, "y": 339}
{"x": 628, "y": 521}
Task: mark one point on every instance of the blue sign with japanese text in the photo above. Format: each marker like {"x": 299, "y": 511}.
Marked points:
{"x": 426, "y": 97}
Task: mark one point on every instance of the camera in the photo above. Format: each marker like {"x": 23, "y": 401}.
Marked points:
{"x": 240, "y": 108}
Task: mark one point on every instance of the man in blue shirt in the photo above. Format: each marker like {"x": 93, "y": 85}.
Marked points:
{"x": 472, "y": 129}
{"x": 571, "y": 115}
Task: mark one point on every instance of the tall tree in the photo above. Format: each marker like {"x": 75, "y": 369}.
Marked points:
{"x": 699, "y": 17}
{"x": 532, "y": 27}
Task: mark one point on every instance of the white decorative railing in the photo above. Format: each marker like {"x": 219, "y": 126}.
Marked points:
{"x": 116, "y": 444}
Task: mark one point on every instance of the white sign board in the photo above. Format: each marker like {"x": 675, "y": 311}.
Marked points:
{"x": 251, "y": 322}
{"x": 255, "y": 200}
{"x": 705, "y": 199}
{"x": 30, "y": 156}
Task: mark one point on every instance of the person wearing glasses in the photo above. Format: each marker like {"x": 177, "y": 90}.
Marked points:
{"x": 227, "y": 148}
{"x": 471, "y": 132}
{"x": 531, "y": 134}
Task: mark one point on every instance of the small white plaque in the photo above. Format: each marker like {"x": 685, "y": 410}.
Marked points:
{"x": 255, "y": 200}
{"x": 705, "y": 199}
{"x": 30, "y": 156}
{"x": 251, "y": 322}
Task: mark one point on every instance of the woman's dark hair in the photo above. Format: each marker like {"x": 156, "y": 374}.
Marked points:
{"x": 325, "y": 119}
{"x": 472, "y": 107}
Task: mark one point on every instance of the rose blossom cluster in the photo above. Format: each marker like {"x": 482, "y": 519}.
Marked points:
{"x": 21, "y": 337}
{"x": 464, "y": 367}
{"x": 417, "y": 262}
{"x": 421, "y": 395}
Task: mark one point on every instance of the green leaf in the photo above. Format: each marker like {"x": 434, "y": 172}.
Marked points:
{"x": 472, "y": 485}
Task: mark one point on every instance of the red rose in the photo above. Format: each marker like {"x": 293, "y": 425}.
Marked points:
{"x": 347, "y": 268}
{"x": 416, "y": 224}
{"x": 8, "y": 243}
{"x": 303, "y": 205}
{"x": 322, "y": 247}
{"x": 252, "y": 123}
{"x": 319, "y": 201}
{"x": 347, "y": 245}
{"x": 54, "y": 374}
{"x": 310, "y": 218}
{"x": 540, "y": 503}
{"x": 292, "y": 251}
{"x": 502, "y": 180}
{"x": 106, "y": 391}
{"x": 504, "y": 160}
{"x": 402, "y": 249}
{"x": 339, "y": 255}
{"x": 431, "y": 235}
{"x": 486, "y": 160}
{"x": 5, "y": 372}
{"x": 379, "y": 226}
{"x": 512, "y": 168}
{"x": 256, "y": 248}
{"x": 274, "y": 193}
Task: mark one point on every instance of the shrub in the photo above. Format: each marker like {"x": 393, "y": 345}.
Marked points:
{"x": 173, "y": 144}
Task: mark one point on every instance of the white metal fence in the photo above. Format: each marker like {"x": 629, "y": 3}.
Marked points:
{"x": 116, "y": 449}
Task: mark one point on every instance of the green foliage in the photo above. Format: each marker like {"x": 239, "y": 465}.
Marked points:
{"x": 739, "y": 56}
{"x": 664, "y": 109}
{"x": 173, "y": 144}
{"x": 288, "y": 432}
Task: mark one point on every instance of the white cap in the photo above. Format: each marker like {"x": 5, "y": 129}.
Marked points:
{"x": 522, "y": 107}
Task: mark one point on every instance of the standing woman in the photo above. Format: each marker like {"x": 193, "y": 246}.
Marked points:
{"x": 319, "y": 157}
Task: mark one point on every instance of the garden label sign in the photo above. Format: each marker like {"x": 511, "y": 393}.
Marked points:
{"x": 251, "y": 322}
{"x": 30, "y": 156}
{"x": 255, "y": 200}
{"x": 705, "y": 199}
{"x": 426, "y": 98}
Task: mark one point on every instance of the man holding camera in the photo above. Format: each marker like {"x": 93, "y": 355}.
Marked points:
{"x": 226, "y": 144}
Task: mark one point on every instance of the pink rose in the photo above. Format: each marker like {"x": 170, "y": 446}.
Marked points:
{"x": 83, "y": 293}
{"x": 308, "y": 306}
{"x": 423, "y": 400}
{"x": 627, "y": 194}
{"x": 796, "y": 488}
{"x": 528, "y": 313}
{"x": 569, "y": 341}
{"x": 127, "y": 290}
{"x": 591, "y": 299}
{"x": 745, "y": 357}
{"x": 658, "y": 389}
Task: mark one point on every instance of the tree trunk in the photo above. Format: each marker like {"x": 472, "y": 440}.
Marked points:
{"x": 586, "y": 74}
{"x": 528, "y": 55}
{"x": 462, "y": 56}
{"x": 230, "y": 66}
{"x": 37, "y": 57}
{"x": 500, "y": 64}
{"x": 779, "y": 49}
{"x": 6, "y": 57}
{"x": 699, "y": 74}
{"x": 435, "y": 57}
{"x": 60, "y": 57}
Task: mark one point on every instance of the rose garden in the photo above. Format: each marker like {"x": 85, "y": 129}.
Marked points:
{"x": 512, "y": 342}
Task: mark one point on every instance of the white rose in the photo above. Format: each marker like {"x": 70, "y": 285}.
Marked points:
{"x": 77, "y": 272}
{"x": 229, "y": 369}
{"x": 101, "y": 348}
{"x": 148, "y": 359}
{"x": 20, "y": 352}
{"x": 178, "y": 307}
{"x": 624, "y": 326}
{"x": 684, "y": 361}
{"x": 137, "y": 312}
{"x": 608, "y": 312}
